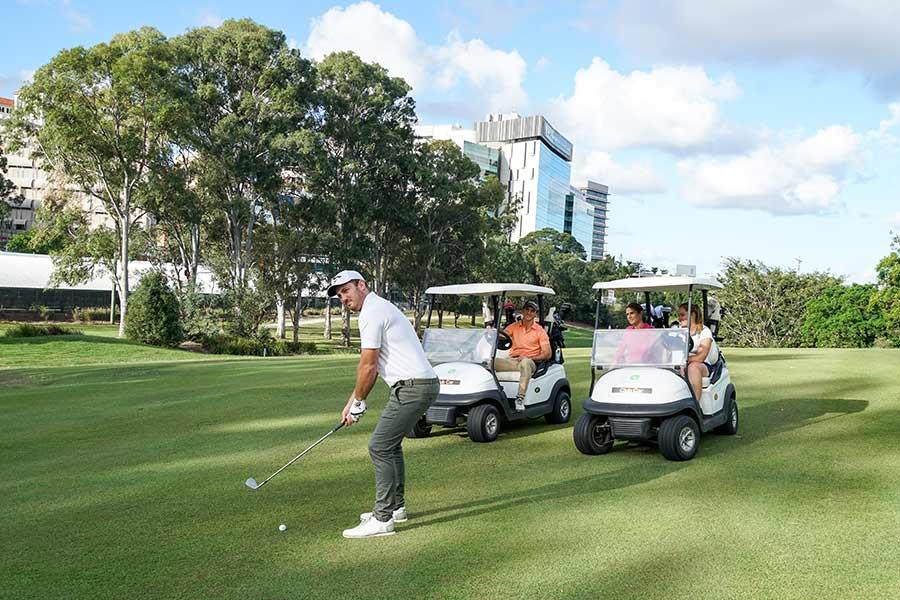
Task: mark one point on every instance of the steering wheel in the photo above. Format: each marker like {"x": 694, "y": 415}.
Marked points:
{"x": 504, "y": 342}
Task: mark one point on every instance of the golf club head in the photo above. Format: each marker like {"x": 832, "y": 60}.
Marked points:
{"x": 251, "y": 483}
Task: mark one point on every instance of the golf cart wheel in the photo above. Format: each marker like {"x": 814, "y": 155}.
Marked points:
{"x": 730, "y": 426}
{"x": 592, "y": 434}
{"x": 483, "y": 423}
{"x": 679, "y": 438}
{"x": 562, "y": 409}
{"x": 420, "y": 429}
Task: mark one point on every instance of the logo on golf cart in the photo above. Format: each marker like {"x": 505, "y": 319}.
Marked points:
{"x": 632, "y": 390}
{"x": 537, "y": 390}
{"x": 635, "y": 377}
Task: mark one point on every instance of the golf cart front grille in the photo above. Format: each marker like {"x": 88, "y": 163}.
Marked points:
{"x": 441, "y": 415}
{"x": 630, "y": 429}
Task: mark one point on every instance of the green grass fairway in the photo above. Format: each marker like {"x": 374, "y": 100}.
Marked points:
{"x": 127, "y": 481}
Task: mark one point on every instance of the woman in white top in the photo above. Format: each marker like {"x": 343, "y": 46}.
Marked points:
{"x": 705, "y": 353}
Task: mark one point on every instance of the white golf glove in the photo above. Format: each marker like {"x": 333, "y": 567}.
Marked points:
{"x": 357, "y": 410}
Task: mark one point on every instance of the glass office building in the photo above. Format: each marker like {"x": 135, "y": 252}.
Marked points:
{"x": 533, "y": 162}
{"x": 488, "y": 159}
{"x": 597, "y": 195}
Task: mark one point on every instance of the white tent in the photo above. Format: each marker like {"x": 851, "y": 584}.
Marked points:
{"x": 33, "y": 271}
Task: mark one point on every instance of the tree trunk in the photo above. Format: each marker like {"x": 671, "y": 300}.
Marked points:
{"x": 123, "y": 280}
{"x": 195, "y": 254}
{"x": 345, "y": 327}
{"x": 112, "y": 297}
{"x": 473, "y": 319}
{"x": 279, "y": 319}
{"x": 297, "y": 309}
{"x": 327, "y": 318}
{"x": 417, "y": 313}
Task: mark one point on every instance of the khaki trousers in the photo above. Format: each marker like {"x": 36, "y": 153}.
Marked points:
{"x": 525, "y": 367}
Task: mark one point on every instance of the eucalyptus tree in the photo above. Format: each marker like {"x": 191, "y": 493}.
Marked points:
{"x": 362, "y": 125}
{"x": 450, "y": 218}
{"x": 248, "y": 92}
{"x": 100, "y": 115}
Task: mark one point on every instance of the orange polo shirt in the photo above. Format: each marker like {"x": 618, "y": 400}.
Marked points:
{"x": 527, "y": 343}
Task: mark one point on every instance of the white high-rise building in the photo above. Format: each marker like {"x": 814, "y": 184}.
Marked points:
{"x": 534, "y": 167}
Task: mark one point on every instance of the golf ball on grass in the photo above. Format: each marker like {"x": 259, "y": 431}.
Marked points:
{"x": 282, "y": 527}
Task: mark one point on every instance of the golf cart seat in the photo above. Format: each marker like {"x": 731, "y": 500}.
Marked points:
{"x": 716, "y": 372}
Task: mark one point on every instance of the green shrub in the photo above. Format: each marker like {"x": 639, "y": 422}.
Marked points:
{"x": 154, "y": 316}
{"x": 90, "y": 313}
{"x": 43, "y": 311}
{"x": 199, "y": 316}
{"x": 842, "y": 316}
{"x": 221, "y": 343}
{"x": 248, "y": 309}
{"x": 25, "y": 330}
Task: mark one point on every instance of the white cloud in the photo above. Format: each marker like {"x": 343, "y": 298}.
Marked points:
{"x": 860, "y": 36}
{"x": 674, "y": 108}
{"x": 492, "y": 79}
{"x": 796, "y": 177}
{"x": 622, "y": 179}
{"x": 893, "y": 220}
{"x": 78, "y": 22}
{"x": 208, "y": 19}
{"x": 498, "y": 75}
{"x": 374, "y": 35}
{"x": 542, "y": 63}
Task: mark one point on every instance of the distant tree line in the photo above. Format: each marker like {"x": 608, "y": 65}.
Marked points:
{"x": 226, "y": 147}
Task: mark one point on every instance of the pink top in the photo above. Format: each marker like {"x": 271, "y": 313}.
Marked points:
{"x": 642, "y": 326}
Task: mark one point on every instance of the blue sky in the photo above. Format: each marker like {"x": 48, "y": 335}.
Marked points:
{"x": 754, "y": 129}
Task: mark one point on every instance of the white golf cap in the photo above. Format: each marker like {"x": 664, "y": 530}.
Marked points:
{"x": 342, "y": 278}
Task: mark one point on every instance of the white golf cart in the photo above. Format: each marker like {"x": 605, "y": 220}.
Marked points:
{"x": 472, "y": 392}
{"x": 642, "y": 394}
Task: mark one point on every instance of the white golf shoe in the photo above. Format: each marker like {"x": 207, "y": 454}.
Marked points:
{"x": 399, "y": 515}
{"x": 370, "y": 527}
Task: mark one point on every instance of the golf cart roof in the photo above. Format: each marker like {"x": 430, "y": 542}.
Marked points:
{"x": 659, "y": 284}
{"x": 490, "y": 289}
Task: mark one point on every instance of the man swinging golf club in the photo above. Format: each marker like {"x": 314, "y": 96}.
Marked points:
{"x": 390, "y": 348}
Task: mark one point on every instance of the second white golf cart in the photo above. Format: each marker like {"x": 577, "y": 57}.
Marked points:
{"x": 472, "y": 391}
{"x": 643, "y": 393}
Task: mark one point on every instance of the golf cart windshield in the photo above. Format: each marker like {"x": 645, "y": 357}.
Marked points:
{"x": 639, "y": 348}
{"x": 459, "y": 345}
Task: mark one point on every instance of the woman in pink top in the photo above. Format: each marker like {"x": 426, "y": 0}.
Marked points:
{"x": 634, "y": 313}
{"x": 633, "y": 348}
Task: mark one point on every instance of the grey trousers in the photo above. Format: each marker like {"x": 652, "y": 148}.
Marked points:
{"x": 407, "y": 402}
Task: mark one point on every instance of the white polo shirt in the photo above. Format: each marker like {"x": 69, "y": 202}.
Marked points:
{"x": 382, "y": 326}
{"x": 706, "y": 334}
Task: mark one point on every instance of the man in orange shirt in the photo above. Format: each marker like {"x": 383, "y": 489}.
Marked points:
{"x": 530, "y": 343}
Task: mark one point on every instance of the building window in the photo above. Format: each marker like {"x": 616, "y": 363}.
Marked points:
{"x": 528, "y": 203}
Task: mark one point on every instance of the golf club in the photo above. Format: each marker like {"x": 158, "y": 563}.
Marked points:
{"x": 251, "y": 483}
{"x": 356, "y": 412}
